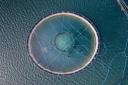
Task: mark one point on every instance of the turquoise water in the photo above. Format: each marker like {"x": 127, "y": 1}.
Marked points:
{"x": 64, "y": 41}
{"x": 17, "y": 19}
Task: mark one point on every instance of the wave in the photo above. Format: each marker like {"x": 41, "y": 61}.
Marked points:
{"x": 124, "y": 7}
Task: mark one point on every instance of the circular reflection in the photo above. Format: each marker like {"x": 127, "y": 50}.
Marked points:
{"x": 63, "y": 43}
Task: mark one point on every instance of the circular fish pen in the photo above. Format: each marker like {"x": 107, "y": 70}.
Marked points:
{"x": 63, "y": 43}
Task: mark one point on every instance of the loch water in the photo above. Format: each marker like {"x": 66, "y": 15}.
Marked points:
{"x": 17, "y": 19}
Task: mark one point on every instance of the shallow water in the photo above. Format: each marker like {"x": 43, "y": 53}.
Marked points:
{"x": 17, "y": 19}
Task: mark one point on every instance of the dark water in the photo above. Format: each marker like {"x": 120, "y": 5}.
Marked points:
{"x": 126, "y": 1}
{"x": 18, "y": 17}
